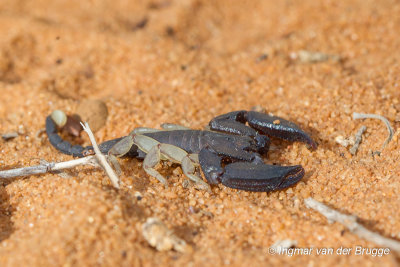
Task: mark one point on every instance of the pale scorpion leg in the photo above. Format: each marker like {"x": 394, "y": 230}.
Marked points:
{"x": 142, "y": 130}
{"x": 147, "y": 145}
{"x": 151, "y": 160}
{"x": 118, "y": 150}
{"x": 189, "y": 164}
{"x": 159, "y": 151}
{"x": 164, "y": 126}
{"x": 124, "y": 145}
{"x": 172, "y": 127}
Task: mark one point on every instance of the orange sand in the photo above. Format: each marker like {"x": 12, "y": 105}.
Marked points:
{"x": 185, "y": 62}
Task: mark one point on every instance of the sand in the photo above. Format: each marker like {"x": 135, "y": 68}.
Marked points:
{"x": 186, "y": 62}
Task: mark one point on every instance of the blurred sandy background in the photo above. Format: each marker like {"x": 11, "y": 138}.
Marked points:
{"x": 185, "y": 62}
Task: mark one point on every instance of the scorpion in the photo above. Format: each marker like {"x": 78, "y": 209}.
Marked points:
{"x": 228, "y": 151}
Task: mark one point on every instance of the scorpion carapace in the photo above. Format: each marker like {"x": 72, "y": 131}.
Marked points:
{"x": 228, "y": 152}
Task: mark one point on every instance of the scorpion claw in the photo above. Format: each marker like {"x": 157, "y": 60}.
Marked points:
{"x": 250, "y": 176}
{"x": 234, "y": 123}
{"x": 278, "y": 127}
{"x": 260, "y": 177}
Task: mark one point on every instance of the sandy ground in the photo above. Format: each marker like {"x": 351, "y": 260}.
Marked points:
{"x": 185, "y": 62}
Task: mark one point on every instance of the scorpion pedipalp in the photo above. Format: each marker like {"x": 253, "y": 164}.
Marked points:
{"x": 260, "y": 177}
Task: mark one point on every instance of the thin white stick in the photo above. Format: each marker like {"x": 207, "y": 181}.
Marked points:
{"x": 379, "y": 117}
{"x": 100, "y": 157}
{"x": 350, "y": 221}
{"x": 48, "y": 167}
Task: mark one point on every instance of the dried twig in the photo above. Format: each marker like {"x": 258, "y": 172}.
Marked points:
{"x": 48, "y": 167}
{"x": 350, "y": 221}
{"x": 354, "y": 148}
{"x": 379, "y": 117}
{"x": 100, "y": 157}
{"x": 97, "y": 159}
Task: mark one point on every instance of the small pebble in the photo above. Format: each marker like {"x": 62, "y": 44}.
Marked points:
{"x": 94, "y": 112}
{"x": 160, "y": 237}
{"x": 138, "y": 195}
{"x": 311, "y": 56}
{"x": 262, "y": 57}
{"x": 305, "y": 56}
{"x": 186, "y": 184}
{"x": 170, "y": 195}
{"x": 284, "y": 244}
{"x": 343, "y": 141}
{"x": 9, "y": 136}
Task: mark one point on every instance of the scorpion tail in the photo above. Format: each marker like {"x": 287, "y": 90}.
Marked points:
{"x": 57, "y": 142}
{"x": 66, "y": 147}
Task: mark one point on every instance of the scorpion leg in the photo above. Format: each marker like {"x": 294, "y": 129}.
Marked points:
{"x": 164, "y": 126}
{"x": 159, "y": 151}
{"x": 142, "y": 130}
{"x": 152, "y": 158}
{"x": 148, "y": 150}
{"x": 172, "y": 127}
{"x": 122, "y": 147}
{"x": 148, "y": 145}
{"x": 189, "y": 164}
{"x": 249, "y": 176}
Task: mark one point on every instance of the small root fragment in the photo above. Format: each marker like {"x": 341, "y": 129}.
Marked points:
{"x": 159, "y": 236}
{"x": 379, "y": 117}
{"x": 9, "y": 136}
{"x": 354, "y": 148}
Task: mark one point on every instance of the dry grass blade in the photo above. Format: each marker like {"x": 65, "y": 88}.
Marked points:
{"x": 100, "y": 157}
{"x": 350, "y": 221}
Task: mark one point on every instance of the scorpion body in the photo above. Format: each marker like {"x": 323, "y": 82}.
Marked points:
{"x": 229, "y": 152}
{"x": 193, "y": 141}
